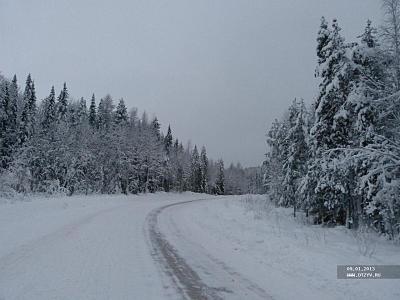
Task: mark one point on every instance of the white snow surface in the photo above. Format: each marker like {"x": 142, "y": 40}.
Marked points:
{"x": 95, "y": 247}
{"x": 288, "y": 258}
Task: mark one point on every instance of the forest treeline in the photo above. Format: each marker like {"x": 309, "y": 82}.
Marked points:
{"x": 340, "y": 159}
{"x": 62, "y": 145}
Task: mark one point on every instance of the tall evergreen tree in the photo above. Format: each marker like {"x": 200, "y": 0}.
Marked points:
{"x": 204, "y": 170}
{"x": 195, "y": 170}
{"x": 168, "y": 141}
{"x": 334, "y": 88}
{"x": 5, "y": 147}
{"x": 295, "y": 166}
{"x": 92, "y": 112}
{"x": 50, "y": 112}
{"x": 105, "y": 113}
{"x": 331, "y": 127}
{"x": 62, "y": 103}
{"x": 220, "y": 181}
{"x": 28, "y": 116}
{"x": 82, "y": 111}
{"x": 121, "y": 113}
{"x": 13, "y": 111}
{"x": 275, "y": 160}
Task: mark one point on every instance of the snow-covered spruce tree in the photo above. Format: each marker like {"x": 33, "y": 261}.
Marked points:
{"x": 168, "y": 141}
{"x": 121, "y": 114}
{"x": 220, "y": 180}
{"x": 49, "y": 112}
{"x": 195, "y": 171}
{"x": 107, "y": 152}
{"x": 295, "y": 166}
{"x": 151, "y": 156}
{"x": 51, "y": 148}
{"x": 123, "y": 158}
{"x": 62, "y": 103}
{"x": 275, "y": 160}
{"x": 180, "y": 162}
{"x": 82, "y": 112}
{"x": 76, "y": 160}
{"x": 335, "y": 73}
{"x": 204, "y": 170}
{"x": 8, "y": 121}
{"x": 13, "y": 110}
{"x": 4, "y": 112}
{"x": 105, "y": 113}
{"x": 331, "y": 127}
{"x": 28, "y": 115}
{"x": 25, "y": 132}
{"x": 168, "y": 168}
{"x": 92, "y": 112}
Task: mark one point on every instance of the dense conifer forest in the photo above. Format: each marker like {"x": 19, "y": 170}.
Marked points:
{"x": 339, "y": 160}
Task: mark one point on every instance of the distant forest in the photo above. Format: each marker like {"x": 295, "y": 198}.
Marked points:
{"x": 63, "y": 145}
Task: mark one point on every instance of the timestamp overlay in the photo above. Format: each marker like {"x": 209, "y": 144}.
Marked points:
{"x": 368, "y": 271}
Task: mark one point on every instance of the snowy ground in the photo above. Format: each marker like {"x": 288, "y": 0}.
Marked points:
{"x": 80, "y": 248}
{"x": 284, "y": 258}
{"x": 142, "y": 247}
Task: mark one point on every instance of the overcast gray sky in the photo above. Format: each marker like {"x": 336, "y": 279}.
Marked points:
{"x": 218, "y": 71}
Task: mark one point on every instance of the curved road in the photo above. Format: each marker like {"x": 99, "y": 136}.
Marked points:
{"x": 226, "y": 283}
{"x": 123, "y": 248}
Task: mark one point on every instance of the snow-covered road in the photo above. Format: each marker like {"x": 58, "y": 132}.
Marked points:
{"x": 89, "y": 250}
{"x": 174, "y": 246}
{"x": 168, "y": 240}
{"x": 105, "y": 248}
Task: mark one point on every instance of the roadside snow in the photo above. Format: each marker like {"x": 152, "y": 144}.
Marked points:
{"x": 287, "y": 259}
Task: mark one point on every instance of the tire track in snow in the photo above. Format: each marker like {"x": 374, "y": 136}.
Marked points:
{"x": 186, "y": 280}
